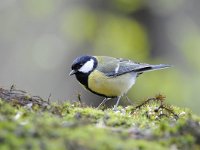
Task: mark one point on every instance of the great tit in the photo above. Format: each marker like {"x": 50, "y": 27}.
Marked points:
{"x": 108, "y": 76}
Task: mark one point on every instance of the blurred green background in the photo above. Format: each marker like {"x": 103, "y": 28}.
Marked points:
{"x": 40, "y": 38}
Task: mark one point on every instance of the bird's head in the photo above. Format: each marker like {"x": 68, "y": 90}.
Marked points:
{"x": 83, "y": 64}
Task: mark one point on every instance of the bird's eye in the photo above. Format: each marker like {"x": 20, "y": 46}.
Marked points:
{"x": 78, "y": 66}
{"x": 81, "y": 64}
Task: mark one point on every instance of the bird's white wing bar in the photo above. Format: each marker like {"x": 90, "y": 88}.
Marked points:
{"x": 117, "y": 68}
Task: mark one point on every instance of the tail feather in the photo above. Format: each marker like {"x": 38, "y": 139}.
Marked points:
{"x": 152, "y": 67}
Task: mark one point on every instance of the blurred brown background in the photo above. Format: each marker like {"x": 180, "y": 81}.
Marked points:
{"x": 40, "y": 38}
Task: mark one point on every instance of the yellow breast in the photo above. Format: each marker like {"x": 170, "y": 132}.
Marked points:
{"x": 110, "y": 86}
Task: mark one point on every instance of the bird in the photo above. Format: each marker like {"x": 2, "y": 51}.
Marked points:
{"x": 107, "y": 76}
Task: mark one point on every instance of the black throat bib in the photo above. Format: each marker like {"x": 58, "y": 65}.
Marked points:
{"x": 82, "y": 78}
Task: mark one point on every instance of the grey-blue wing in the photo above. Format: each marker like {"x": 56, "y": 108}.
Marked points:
{"x": 126, "y": 66}
{"x": 117, "y": 66}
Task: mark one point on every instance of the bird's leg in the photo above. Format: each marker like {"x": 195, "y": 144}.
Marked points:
{"x": 117, "y": 103}
{"x": 128, "y": 100}
{"x": 103, "y": 102}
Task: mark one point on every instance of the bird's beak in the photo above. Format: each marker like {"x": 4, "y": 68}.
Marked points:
{"x": 72, "y": 72}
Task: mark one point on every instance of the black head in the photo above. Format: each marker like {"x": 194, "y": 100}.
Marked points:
{"x": 83, "y": 64}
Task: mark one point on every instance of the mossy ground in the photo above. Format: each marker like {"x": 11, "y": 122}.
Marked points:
{"x": 30, "y": 123}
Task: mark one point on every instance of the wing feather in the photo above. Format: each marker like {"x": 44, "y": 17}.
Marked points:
{"x": 112, "y": 67}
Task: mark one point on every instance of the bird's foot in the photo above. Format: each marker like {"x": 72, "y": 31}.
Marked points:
{"x": 115, "y": 108}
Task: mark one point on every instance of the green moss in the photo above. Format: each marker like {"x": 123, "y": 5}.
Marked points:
{"x": 71, "y": 126}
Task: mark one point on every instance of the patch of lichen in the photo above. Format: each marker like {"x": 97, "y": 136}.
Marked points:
{"x": 73, "y": 126}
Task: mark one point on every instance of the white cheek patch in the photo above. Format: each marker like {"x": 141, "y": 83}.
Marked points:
{"x": 87, "y": 67}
